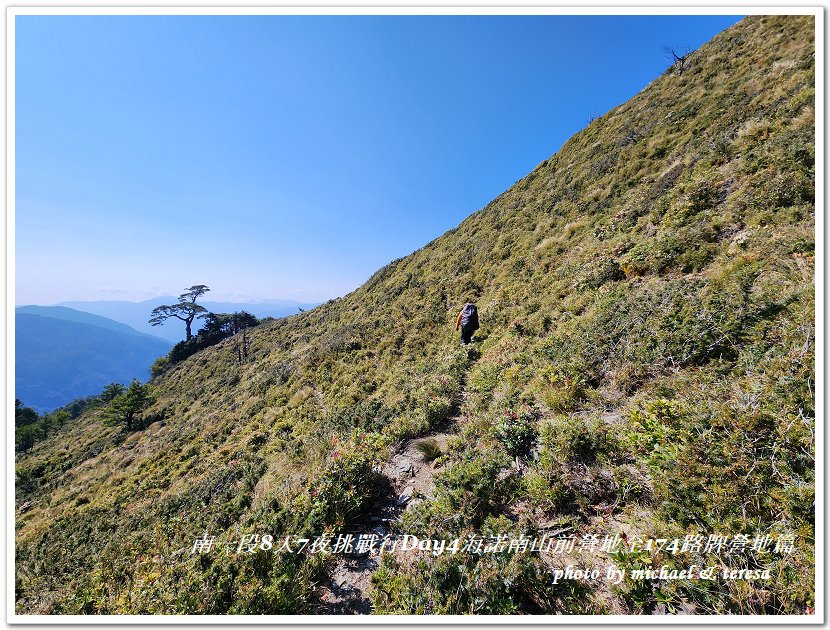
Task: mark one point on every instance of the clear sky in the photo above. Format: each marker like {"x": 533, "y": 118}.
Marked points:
{"x": 277, "y": 157}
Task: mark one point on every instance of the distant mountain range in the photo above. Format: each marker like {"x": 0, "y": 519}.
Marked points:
{"x": 74, "y": 349}
{"x": 137, "y": 314}
{"x": 62, "y": 354}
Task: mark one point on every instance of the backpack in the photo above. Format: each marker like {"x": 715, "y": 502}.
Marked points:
{"x": 469, "y": 317}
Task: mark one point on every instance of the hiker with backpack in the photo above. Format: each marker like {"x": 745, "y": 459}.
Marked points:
{"x": 467, "y": 321}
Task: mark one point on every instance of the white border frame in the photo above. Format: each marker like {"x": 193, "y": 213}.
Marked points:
{"x": 338, "y": 7}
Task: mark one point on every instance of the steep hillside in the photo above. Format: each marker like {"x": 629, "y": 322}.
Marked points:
{"x": 644, "y": 370}
{"x": 62, "y": 354}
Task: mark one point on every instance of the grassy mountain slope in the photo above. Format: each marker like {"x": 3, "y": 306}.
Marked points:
{"x": 646, "y": 297}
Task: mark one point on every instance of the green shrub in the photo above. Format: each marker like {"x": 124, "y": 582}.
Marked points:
{"x": 466, "y": 583}
{"x": 160, "y": 366}
{"x": 484, "y": 377}
{"x": 347, "y": 482}
{"x": 471, "y": 488}
{"x": 548, "y": 492}
{"x": 437, "y": 410}
{"x": 600, "y": 271}
{"x": 652, "y": 426}
{"x": 516, "y": 430}
{"x": 575, "y": 438}
{"x": 407, "y": 425}
{"x": 565, "y": 390}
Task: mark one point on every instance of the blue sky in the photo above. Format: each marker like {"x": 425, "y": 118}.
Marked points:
{"x": 278, "y": 157}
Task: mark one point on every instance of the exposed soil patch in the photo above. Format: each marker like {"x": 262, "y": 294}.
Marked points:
{"x": 410, "y": 475}
{"x": 345, "y": 593}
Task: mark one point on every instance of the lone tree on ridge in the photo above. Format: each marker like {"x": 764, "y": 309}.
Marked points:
{"x": 186, "y": 310}
{"x": 678, "y": 60}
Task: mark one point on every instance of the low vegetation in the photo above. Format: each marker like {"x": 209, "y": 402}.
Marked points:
{"x": 645, "y": 367}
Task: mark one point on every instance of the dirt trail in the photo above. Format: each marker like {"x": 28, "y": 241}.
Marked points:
{"x": 411, "y": 476}
{"x": 411, "y": 481}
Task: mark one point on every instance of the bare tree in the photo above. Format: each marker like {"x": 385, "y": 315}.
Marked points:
{"x": 241, "y": 346}
{"x": 679, "y": 61}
